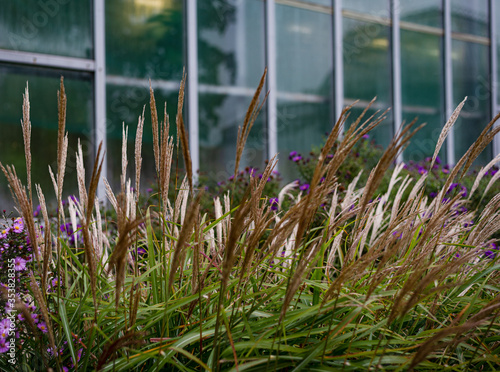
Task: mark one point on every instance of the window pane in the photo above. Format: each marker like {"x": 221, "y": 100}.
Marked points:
{"x": 367, "y": 70}
{"x": 379, "y": 8}
{"x": 471, "y": 78}
{"x": 220, "y": 116}
{"x": 422, "y": 90}
{"x": 301, "y": 127}
{"x": 423, "y": 12}
{"x": 124, "y": 105}
{"x": 144, "y": 38}
{"x": 231, "y": 42}
{"x": 58, "y": 27}
{"x": 43, "y": 87}
{"x": 231, "y": 61}
{"x": 305, "y": 60}
{"x": 304, "y": 42}
{"x": 470, "y": 17}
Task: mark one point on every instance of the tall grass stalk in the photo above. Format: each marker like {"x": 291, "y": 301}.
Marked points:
{"x": 341, "y": 279}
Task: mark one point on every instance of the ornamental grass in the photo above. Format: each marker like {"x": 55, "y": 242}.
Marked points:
{"x": 342, "y": 278}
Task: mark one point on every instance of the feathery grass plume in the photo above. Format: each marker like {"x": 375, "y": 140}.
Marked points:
{"x": 481, "y": 174}
{"x": 181, "y": 132}
{"x": 154, "y": 123}
{"x": 111, "y": 196}
{"x": 123, "y": 177}
{"x": 26, "y": 127}
{"x": 184, "y": 235}
{"x": 470, "y": 155}
{"x": 486, "y": 136}
{"x": 397, "y": 144}
{"x": 47, "y": 248}
{"x": 126, "y": 233}
{"x": 446, "y": 130}
{"x": 88, "y": 204}
{"x": 35, "y": 289}
{"x": 62, "y": 144}
{"x": 167, "y": 152}
{"x": 492, "y": 181}
{"x": 80, "y": 173}
{"x": 24, "y": 204}
{"x": 251, "y": 115}
{"x": 138, "y": 156}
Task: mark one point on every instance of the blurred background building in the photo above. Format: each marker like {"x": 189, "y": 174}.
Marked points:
{"x": 419, "y": 57}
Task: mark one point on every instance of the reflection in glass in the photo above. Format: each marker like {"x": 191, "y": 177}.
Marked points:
{"x": 220, "y": 116}
{"x": 145, "y": 38}
{"x": 305, "y": 57}
{"x": 471, "y": 78}
{"x": 367, "y": 69}
{"x": 378, "y": 8}
{"x": 423, "y": 12}
{"x": 124, "y": 105}
{"x": 43, "y": 87}
{"x": 51, "y": 27}
{"x": 422, "y": 90}
{"x": 231, "y": 42}
{"x": 470, "y": 17}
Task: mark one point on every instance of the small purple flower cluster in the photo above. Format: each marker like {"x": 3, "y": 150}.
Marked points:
{"x": 16, "y": 256}
{"x": 72, "y": 237}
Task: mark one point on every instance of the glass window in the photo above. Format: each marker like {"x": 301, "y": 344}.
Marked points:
{"x": 60, "y": 27}
{"x": 144, "y": 38}
{"x": 471, "y": 78}
{"x": 378, "y": 8}
{"x": 470, "y": 17}
{"x": 367, "y": 70}
{"x": 422, "y": 90}
{"x": 124, "y": 105}
{"x": 43, "y": 87}
{"x": 220, "y": 116}
{"x": 231, "y": 42}
{"x": 231, "y": 61}
{"x": 305, "y": 68}
{"x": 423, "y": 12}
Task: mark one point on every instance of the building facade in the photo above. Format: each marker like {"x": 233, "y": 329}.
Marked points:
{"x": 419, "y": 57}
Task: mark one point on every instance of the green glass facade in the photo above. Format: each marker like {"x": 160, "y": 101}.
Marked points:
{"x": 320, "y": 54}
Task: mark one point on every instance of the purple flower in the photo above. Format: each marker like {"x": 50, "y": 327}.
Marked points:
{"x": 274, "y": 203}
{"x": 433, "y": 194}
{"x": 4, "y": 345}
{"x": 36, "y": 213}
{"x": 445, "y": 169}
{"x": 4, "y": 233}
{"x": 35, "y": 318}
{"x": 150, "y": 190}
{"x": 5, "y": 325}
{"x": 19, "y": 264}
{"x": 43, "y": 327}
{"x": 438, "y": 160}
{"x": 141, "y": 251}
{"x": 304, "y": 187}
{"x": 18, "y": 226}
{"x": 292, "y": 155}
{"x": 296, "y": 158}
{"x": 366, "y": 136}
{"x": 491, "y": 253}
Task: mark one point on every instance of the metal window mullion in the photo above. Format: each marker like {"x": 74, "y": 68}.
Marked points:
{"x": 192, "y": 82}
{"x": 47, "y": 60}
{"x": 272, "y": 118}
{"x": 448, "y": 79}
{"x": 100, "y": 89}
{"x": 396, "y": 70}
{"x": 493, "y": 75}
{"x": 338, "y": 60}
